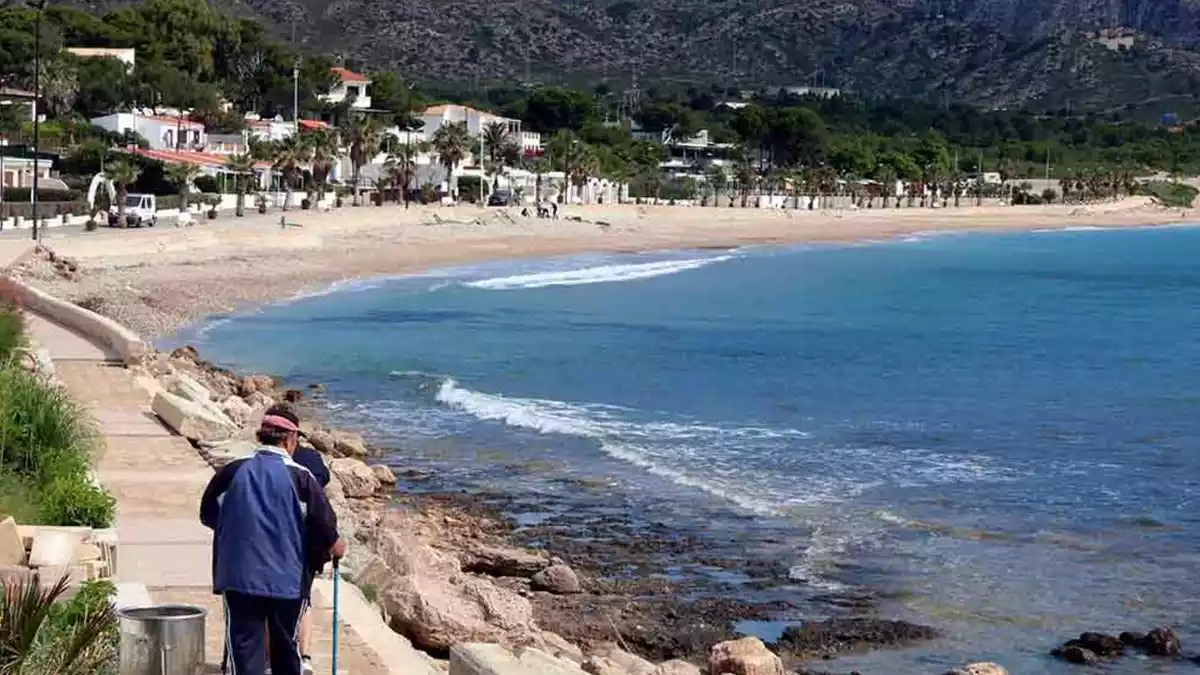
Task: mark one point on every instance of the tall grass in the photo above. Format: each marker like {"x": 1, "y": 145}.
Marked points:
{"x": 46, "y": 442}
{"x": 12, "y": 323}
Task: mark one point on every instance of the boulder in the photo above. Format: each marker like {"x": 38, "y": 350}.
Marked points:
{"x": 190, "y": 419}
{"x": 1132, "y": 639}
{"x": 983, "y": 668}
{"x": 12, "y": 546}
{"x": 358, "y": 480}
{"x": 349, "y": 444}
{"x": 259, "y": 401}
{"x": 621, "y": 659}
{"x": 223, "y": 452}
{"x": 1104, "y": 646}
{"x": 558, "y": 579}
{"x": 490, "y": 659}
{"x": 404, "y": 554}
{"x": 504, "y": 561}
{"x": 1162, "y": 642}
{"x": 384, "y": 474}
{"x": 185, "y": 387}
{"x": 838, "y": 635}
{"x": 236, "y": 408}
{"x": 677, "y": 667}
{"x": 558, "y": 646}
{"x": 745, "y": 656}
{"x": 256, "y": 383}
{"x": 1077, "y": 654}
{"x": 601, "y": 665}
{"x": 437, "y": 612}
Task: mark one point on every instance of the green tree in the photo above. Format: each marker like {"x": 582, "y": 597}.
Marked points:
{"x": 181, "y": 176}
{"x": 242, "y": 167}
{"x": 59, "y": 85}
{"x": 402, "y": 166}
{"x": 451, "y": 143}
{"x": 540, "y": 167}
{"x": 717, "y": 179}
{"x": 495, "y": 145}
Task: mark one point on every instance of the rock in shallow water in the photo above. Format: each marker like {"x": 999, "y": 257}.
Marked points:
{"x": 1162, "y": 642}
{"x": 984, "y": 668}
{"x": 358, "y": 480}
{"x": 834, "y": 636}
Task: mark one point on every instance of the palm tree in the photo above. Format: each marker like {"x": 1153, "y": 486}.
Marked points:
{"x": 323, "y": 147}
{"x": 363, "y": 138}
{"x": 717, "y": 179}
{"x": 451, "y": 143}
{"x": 181, "y": 176}
{"x": 59, "y": 83}
{"x": 31, "y": 643}
{"x": 241, "y": 166}
{"x": 539, "y": 167}
{"x": 122, "y": 173}
{"x": 495, "y": 140}
{"x": 290, "y": 155}
{"x": 744, "y": 173}
{"x": 401, "y": 166}
{"x": 887, "y": 181}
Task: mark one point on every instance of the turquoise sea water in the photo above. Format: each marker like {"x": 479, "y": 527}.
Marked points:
{"x": 998, "y": 433}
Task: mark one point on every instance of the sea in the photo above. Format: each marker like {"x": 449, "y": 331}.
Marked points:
{"x": 996, "y": 434}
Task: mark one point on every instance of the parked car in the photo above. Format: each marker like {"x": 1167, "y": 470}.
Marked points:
{"x": 139, "y": 210}
{"x": 501, "y": 198}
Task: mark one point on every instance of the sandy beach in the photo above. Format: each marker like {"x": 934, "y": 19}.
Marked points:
{"x": 158, "y": 280}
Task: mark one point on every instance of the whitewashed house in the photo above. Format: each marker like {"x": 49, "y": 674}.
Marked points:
{"x": 477, "y": 120}
{"x": 126, "y": 56}
{"x": 162, "y": 132}
{"x": 349, "y": 85}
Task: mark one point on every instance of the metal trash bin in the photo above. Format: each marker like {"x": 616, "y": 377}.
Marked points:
{"x": 162, "y": 640}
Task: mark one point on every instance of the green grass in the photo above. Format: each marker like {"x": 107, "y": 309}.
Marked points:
{"x": 18, "y": 498}
{"x": 12, "y": 323}
{"x": 1174, "y": 195}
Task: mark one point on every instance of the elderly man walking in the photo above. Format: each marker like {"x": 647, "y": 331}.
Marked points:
{"x": 273, "y": 529}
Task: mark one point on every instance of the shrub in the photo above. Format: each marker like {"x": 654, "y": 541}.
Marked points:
{"x": 39, "y": 635}
{"x": 206, "y": 184}
{"x": 1174, "y": 195}
{"x": 76, "y": 500}
{"x": 12, "y": 322}
{"x": 17, "y": 498}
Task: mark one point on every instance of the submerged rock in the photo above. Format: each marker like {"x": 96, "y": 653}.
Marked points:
{"x": 983, "y": 668}
{"x": 834, "y": 636}
{"x": 1162, "y": 642}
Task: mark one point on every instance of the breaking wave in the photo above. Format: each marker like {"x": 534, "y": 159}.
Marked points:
{"x": 593, "y": 275}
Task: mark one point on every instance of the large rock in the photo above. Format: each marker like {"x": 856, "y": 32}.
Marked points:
{"x": 184, "y": 386}
{"x": 384, "y": 474}
{"x": 256, "y": 383}
{"x": 12, "y": 546}
{"x": 1077, "y": 654}
{"x": 436, "y": 612}
{"x": 192, "y": 420}
{"x": 838, "y": 635}
{"x": 745, "y": 656}
{"x": 405, "y": 555}
{"x": 349, "y": 444}
{"x": 236, "y": 408}
{"x": 604, "y": 654}
{"x": 358, "y": 480}
{"x": 677, "y": 667}
{"x": 983, "y": 668}
{"x": 558, "y": 579}
{"x": 558, "y": 646}
{"x": 504, "y": 561}
{"x": 602, "y": 665}
{"x": 1162, "y": 642}
{"x": 491, "y": 659}
{"x": 53, "y": 548}
{"x": 220, "y": 453}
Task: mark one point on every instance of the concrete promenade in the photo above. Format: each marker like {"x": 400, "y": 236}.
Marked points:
{"x": 157, "y": 479}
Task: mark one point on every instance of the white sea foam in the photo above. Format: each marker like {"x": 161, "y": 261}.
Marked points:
{"x": 594, "y": 275}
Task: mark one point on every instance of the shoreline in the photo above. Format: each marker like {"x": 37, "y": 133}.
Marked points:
{"x": 159, "y": 281}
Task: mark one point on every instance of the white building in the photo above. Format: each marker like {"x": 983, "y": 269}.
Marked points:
{"x": 269, "y": 130}
{"x": 162, "y": 132}
{"x": 349, "y": 85}
{"x": 17, "y": 172}
{"x": 477, "y": 120}
{"x": 19, "y": 97}
{"x": 126, "y": 56}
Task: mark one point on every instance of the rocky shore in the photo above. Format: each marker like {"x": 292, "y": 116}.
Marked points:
{"x": 447, "y": 572}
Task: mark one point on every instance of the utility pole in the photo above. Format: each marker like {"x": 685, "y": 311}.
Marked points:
{"x": 38, "y": 5}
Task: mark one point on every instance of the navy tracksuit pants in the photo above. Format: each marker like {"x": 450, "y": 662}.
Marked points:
{"x": 245, "y": 639}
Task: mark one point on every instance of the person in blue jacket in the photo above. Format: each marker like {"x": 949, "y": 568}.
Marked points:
{"x": 273, "y": 530}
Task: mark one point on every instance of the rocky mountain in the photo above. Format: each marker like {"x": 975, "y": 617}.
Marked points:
{"x": 1048, "y": 53}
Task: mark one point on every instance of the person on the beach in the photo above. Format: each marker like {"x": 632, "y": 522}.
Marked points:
{"x": 273, "y": 529}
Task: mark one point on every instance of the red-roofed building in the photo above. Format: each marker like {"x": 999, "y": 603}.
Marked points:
{"x": 349, "y": 85}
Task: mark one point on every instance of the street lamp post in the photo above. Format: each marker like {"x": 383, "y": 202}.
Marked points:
{"x": 37, "y": 5}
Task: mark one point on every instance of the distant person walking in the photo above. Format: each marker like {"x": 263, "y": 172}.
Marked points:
{"x": 273, "y": 530}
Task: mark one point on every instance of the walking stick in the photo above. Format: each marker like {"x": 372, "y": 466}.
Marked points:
{"x": 337, "y": 576}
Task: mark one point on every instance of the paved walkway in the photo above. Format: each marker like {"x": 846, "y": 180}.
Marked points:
{"x": 157, "y": 479}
